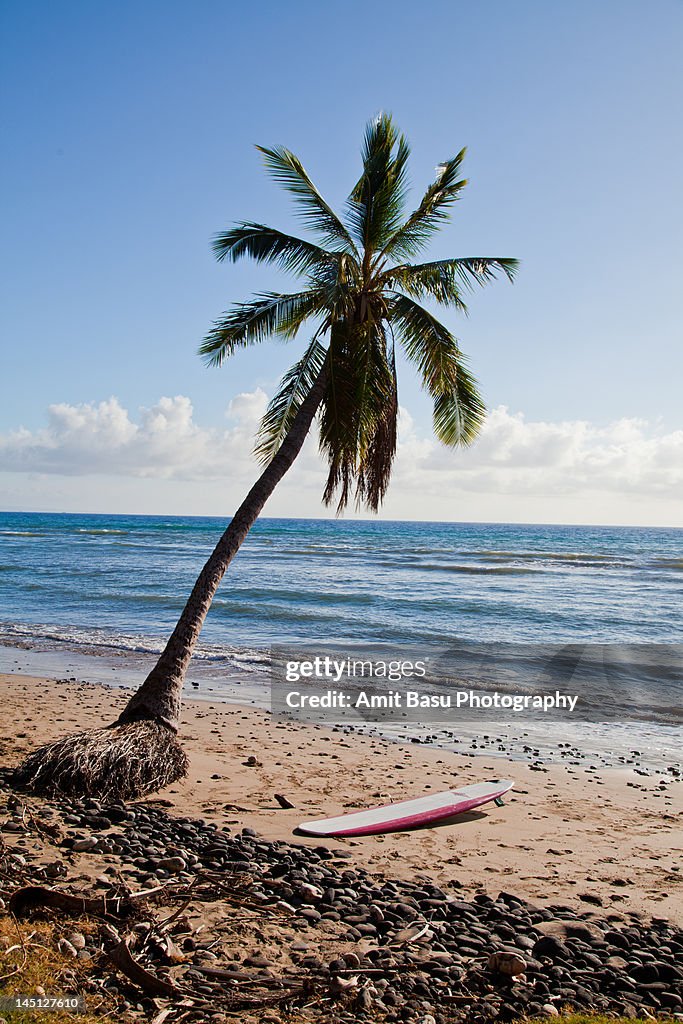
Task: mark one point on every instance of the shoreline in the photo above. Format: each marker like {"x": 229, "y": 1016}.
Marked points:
{"x": 588, "y": 837}
{"x": 648, "y": 747}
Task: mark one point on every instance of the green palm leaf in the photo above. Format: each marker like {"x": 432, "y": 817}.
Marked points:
{"x": 427, "y": 342}
{"x": 338, "y": 416}
{"x": 375, "y": 206}
{"x": 437, "y": 280}
{"x": 249, "y": 323}
{"x": 459, "y": 411}
{"x": 458, "y": 407}
{"x": 434, "y": 209}
{"x": 288, "y": 170}
{"x": 481, "y": 270}
{"x": 358, "y": 419}
{"x": 376, "y": 462}
{"x": 266, "y": 245}
{"x": 444, "y": 280}
{"x": 283, "y": 407}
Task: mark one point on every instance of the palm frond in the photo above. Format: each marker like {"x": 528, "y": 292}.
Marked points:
{"x": 375, "y": 206}
{"x": 434, "y": 209}
{"x": 339, "y": 285}
{"x": 427, "y": 342}
{"x": 481, "y": 270}
{"x": 376, "y": 463}
{"x": 438, "y": 280}
{"x": 249, "y": 323}
{"x": 285, "y": 404}
{"x": 459, "y": 410}
{"x": 337, "y": 420}
{"x": 287, "y": 170}
{"x": 444, "y": 280}
{"x": 356, "y": 424}
{"x": 267, "y": 245}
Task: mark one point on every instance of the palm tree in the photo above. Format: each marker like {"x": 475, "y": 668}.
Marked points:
{"x": 360, "y": 297}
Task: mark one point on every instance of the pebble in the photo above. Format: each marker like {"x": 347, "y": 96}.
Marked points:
{"x": 552, "y": 948}
{"x": 84, "y": 845}
{"x": 172, "y": 864}
{"x": 507, "y": 963}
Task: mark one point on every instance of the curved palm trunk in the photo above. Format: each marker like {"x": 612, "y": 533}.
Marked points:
{"x": 159, "y": 697}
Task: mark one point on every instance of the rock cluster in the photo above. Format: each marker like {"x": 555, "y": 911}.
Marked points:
{"x": 413, "y": 951}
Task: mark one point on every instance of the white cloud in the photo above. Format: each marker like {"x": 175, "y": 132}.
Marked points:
{"x": 515, "y": 455}
{"x": 625, "y": 471}
{"x": 248, "y": 407}
{"x": 102, "y": 438}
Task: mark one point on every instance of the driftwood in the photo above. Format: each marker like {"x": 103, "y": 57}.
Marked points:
{"x": 162, "y": 1015}
{"x": 121, "y": 957}
{"x": 236, "y": 975}
{"x": 33, "y": 897}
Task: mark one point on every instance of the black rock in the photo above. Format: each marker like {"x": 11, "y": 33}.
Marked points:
{"x": 552, "y": 948}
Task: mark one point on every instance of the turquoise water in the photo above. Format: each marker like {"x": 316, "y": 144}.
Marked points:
{"x": 95, "y": 597}
{"x": 122, "y": 580}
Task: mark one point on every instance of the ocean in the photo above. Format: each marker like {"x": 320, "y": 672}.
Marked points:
{"x": 110, "y": 589}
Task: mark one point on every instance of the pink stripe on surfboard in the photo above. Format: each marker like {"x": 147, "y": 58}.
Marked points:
{"x": 344, "y": 824}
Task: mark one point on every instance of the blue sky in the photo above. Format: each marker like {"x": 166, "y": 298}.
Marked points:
{"x": 128, "y": 135}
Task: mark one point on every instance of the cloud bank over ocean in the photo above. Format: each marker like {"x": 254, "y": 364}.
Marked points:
{"x": 517, "y": 467}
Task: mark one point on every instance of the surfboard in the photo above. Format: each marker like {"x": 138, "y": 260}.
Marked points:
{"x": 409, "y": 814}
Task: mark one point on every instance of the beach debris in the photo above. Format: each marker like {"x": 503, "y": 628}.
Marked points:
{"x": 412, "y": 934}
{"x": 164, "y": 948}
{"x": 55, "y": 869}
{"x": 36, "y": 897}
{"x": 342, "y": 986}
{"x": 121, "y": 957}
{"x": 109, "y": 933}
{"x": 161, "y": 1016}
{"x": 308, "y": 892}
{"x": 284, "y": 802}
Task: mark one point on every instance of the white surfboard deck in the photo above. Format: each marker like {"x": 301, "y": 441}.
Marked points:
{"x": 409, "y": 814}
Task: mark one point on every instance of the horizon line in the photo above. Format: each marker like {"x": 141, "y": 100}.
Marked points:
{"x": 341, "y": 519}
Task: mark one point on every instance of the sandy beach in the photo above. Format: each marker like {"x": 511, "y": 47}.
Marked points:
{"x": 591, "y": 839}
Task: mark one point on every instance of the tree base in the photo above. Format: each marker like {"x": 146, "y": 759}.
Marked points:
{"x": 121, "y": 762}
